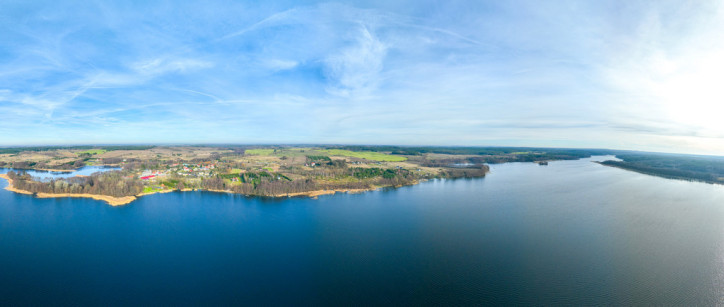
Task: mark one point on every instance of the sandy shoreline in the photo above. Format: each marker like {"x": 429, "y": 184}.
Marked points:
{"x": 10, "y": 186}
{"x": 111, "y": 200}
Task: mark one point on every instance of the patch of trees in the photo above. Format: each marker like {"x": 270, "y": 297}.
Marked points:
{"x": 465, "y": 172}
{"x": 266, "y": 188}
{"x": 171, "y": 183}
{"x": 20, "y": 165}
{"x": 265, "y": 183}
{"x": 339, "y": 163}
{"x": 41, "y": 165}
{"x": 322, "y": 159}
{"x": 71, "y": 165}
{"x": 229, "y": 176}
{"x": 111, "y": 183}
{"x": 256, "y": 178}
{"x": 364, "y": 173}
{"x": 111, "y": 160}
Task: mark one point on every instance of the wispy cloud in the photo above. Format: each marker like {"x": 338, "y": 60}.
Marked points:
{"x": 159, "y": 66}
{"x": 357, "y": 67}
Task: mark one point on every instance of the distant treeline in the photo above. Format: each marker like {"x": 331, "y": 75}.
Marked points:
{"x": 523, "y": 153}
{"x": 16, "y": 150}
{"x": 494, "y": 159}
{"x": 700, "y": 168}
{"x": 40, "y": 165}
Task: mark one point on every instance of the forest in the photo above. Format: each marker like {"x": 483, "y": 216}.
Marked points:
{"x": 16, "y": 150}
{"x": 688, "y": 167}
{"x": 489, "y": 154}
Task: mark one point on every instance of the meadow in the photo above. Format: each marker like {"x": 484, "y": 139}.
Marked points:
{"x": 369, "y": 155}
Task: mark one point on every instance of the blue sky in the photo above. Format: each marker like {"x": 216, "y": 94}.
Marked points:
{"x": 641, "y": 75}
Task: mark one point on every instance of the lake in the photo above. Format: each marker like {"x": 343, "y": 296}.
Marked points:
{"x": 572, "y": 232}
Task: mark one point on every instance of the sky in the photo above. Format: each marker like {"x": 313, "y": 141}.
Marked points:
{"x": 640, "y": 75}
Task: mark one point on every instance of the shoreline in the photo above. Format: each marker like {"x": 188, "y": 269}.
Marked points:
{"x": 311, "y": 194}
{"x": 11, "y": 188}
{"x": 660, "y": 175}
{"x": 119, "y": 201}
{"x": 111, "y": 200}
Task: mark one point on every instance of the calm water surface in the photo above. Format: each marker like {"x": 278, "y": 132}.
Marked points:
{"x": 572, "y": 232}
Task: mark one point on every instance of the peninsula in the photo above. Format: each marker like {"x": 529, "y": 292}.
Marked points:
{"x": 270, "y": 171}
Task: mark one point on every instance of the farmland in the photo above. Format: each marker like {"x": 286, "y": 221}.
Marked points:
{"x": 368, "y": 155}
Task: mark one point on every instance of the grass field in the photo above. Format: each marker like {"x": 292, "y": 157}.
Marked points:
{"x": 148, "y": 189}
{"x": 369, "y": 155}
{"x": 93, "y": 151}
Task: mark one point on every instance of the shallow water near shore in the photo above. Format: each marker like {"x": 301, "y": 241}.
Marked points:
{"x": 572, "y": 232}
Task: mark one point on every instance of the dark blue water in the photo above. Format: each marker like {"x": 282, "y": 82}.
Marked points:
{"x": 572, "y": 232}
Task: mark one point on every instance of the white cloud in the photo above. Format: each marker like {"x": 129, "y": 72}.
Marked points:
{"x": 356, "y": 68}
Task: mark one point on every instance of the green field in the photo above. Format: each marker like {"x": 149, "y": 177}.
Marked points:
{"x": 93, "y": 151}
{"x": 281, "y": 152}
{"x": 148, "y": 189}
{"x": 369, "y": 155}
